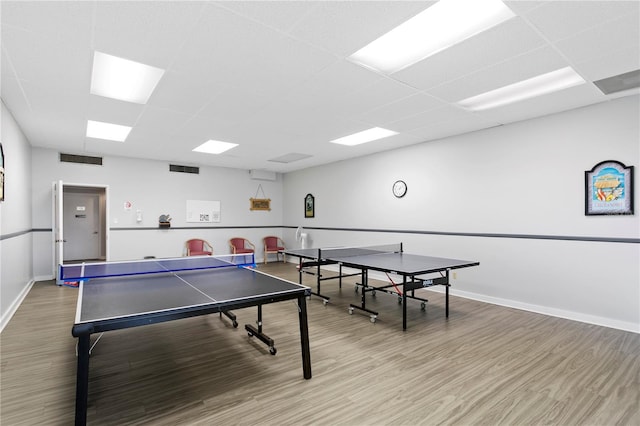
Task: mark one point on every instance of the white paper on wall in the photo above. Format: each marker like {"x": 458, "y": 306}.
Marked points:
{"x": 203, "y": 211}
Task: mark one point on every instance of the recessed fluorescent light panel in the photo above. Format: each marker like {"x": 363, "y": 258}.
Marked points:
{"x": 215, "y": 147}
{"x": 107, "y": 131}
{"x": 541, "y": 85}
{"x": 122, "y": 79}
{"x": 439, "y": 27}
{"x": 364, "y": 136}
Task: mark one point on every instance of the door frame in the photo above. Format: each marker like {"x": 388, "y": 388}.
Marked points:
{"x": 58, "y": 228}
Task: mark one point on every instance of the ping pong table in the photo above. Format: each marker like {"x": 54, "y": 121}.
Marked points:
{"x": 389, "y": 259}
{"x": 118, "y": 295}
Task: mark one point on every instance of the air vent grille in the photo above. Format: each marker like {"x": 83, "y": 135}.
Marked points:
{"x": 184, "y": 169}
{"x": 81, "y": 159}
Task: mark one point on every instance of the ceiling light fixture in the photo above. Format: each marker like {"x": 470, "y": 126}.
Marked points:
{"x": 122, "y": 79}
{"x": 439, "y": 27}
{"x": 107, "y": 131}
{"x": 540, "y": 85}
{"x": 364, "y": 136}
{"x": 215, "y": 147}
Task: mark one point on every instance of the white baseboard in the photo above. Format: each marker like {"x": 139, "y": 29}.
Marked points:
{"x": 545, "y": 310}
{"x": 6, "y": 317}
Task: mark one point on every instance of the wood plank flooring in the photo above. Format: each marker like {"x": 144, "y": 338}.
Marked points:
{"x": 485, "y": 365}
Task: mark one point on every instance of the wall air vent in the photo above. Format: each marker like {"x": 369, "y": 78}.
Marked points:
{"x": 184, "y": 169}
{"x": 81, "y": 159}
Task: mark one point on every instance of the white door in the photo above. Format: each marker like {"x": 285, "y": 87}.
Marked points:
{"x": 58, "y": 234}
{"x": 81, "y": 224}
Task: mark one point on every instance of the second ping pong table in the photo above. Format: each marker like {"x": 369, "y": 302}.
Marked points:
{"x": 389, "y": 259}
{"x": 118, "y": 295}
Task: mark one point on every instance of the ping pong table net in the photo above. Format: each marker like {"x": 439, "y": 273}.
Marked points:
{"x": 360, "y": 251}
{"x": 85, "y": 271}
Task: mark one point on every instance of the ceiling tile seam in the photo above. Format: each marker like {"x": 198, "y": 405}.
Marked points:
{"x": 221, "y": 5}
{"x": 18, "y": 80}
{"x": 559, "y": 51}
{"x": 286, "y": 34}
{"x": 187, "y": 36}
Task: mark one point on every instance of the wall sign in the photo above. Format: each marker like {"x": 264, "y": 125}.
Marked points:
{"x": 608, "y": 189}
{"x": 309, "y": 206}
{"x": 260, "y": 203}
{"x": 203, "y": 211}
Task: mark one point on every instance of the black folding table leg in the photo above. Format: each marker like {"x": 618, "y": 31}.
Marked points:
{"x": 404, "y": 302}
{"x": 257, "y": 332}
{"x": 304, "y": 337}
{"x": 447, "y": 296}
{"x": 82, "y": 379}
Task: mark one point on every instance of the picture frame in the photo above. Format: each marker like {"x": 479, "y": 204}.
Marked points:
{"x": 260, "y": 204}
{"x": 609, "y": 189}
{"x": 1, "y": 173}
{"x": 309, "y": 206}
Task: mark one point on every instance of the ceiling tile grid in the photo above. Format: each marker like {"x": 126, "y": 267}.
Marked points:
{"x": 275, "y": 76}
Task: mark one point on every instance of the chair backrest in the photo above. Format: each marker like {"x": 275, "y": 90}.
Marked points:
{"x": 198, "y": 246}
{"x": 195, "y": 245}
{"x": 238, "y": 243}
{"x": 241, "y": 245}
{"x": 272, "y": 242}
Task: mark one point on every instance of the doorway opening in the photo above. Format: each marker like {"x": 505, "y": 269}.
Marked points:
{"x": 81, "y": 223}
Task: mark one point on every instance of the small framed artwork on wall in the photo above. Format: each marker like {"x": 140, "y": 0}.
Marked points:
{"x": 608, "y": 189}
{"x": 309, "y": 206}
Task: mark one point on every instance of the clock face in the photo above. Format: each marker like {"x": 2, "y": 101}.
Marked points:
{"x": 399, "y": 188}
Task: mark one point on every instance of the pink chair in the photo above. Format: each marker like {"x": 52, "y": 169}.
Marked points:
{"x": 198, "y": 247}
{"x": 273, "y": 245}
{"x": 241, "y": 245}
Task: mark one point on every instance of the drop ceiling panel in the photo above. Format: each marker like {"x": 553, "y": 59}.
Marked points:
{"x": 573, "y": 97}
{"x": 403, "y": 108}
{"x": 63, "y": 21}
{"x": 113, "y": 111}
{"x": 500, "y": 43}
{"x": 436, "y": 115}
{"x": 602, "y": 40}
{"x": 343, "y": 27}
{"x": 184, "y": 92}
{"x": 615, "y": 63}
{"x": 561, "y": 19}
{"x": 519, "y": 68}
{"x": 282, "y": 15}
{"x": 156, "y": 29}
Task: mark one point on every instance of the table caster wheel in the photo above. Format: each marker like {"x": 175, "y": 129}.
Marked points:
{"x": 423, "y": 306}
{"x": 350, "y": 311}
{"x": 372, "y": 318}
{"x": 400, "y": 300}
{"x": 272, "y": 350}
{"x": 250, "y": 334}
{"x": 235, "y": 324}
{"x": 373, "y": 293}
{"x": 356, "y": 288}
{"x": 324, "y": 302}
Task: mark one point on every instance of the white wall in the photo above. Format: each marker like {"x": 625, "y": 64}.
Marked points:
{"x": 525, "y": 178}
{"x": 150, "y": 187}
{"x": 15, "y": 219}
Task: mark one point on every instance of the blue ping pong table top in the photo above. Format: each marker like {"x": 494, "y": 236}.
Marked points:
{"x": 121, "y": 297}
{"x": 84, "y": 271}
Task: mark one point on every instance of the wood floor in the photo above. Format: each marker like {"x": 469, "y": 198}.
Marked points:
{"x": 484, "y": 365}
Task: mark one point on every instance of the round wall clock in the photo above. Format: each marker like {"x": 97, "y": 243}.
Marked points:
{"x": 399, "y": 188}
